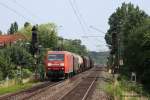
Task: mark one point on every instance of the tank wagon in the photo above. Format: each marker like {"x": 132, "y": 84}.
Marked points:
{"x": 64, "y": 64}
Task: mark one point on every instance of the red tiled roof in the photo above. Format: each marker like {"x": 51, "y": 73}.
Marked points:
{"x": 11, "y": 38}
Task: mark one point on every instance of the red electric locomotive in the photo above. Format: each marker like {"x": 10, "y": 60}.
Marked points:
{"x": 59, "y": 64}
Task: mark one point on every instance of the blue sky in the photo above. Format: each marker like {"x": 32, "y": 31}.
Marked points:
{"x": 90, "y": 12}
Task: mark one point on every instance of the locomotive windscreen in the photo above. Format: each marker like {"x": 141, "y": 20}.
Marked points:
{"x": 56, "y": 57}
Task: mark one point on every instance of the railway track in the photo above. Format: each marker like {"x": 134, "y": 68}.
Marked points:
{"x": 88, "y": 90}
{"x": 25, "y": 94}
{"x": 82, "y": 90}
{"x": 76, "y": 88}
{"x": 56, "y": 92}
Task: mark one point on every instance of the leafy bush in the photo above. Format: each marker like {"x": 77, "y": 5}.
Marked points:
{"x": 1, "y": 75}
{"x": 11, "y": 58}
{"x": 26, "y": 73}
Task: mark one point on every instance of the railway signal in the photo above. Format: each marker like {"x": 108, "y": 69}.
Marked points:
{"x": 34, "y": 47}
{"x": 34, "y": 41}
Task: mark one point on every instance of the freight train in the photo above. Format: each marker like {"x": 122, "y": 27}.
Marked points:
{"x": 64, "y": 64}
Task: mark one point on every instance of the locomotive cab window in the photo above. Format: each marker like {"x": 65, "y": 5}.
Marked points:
{"x": 56, "y": 57}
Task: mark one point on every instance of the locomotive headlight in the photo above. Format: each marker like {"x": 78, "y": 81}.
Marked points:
{"x": 49, "y": 64}
{"x": 61, "y": 64}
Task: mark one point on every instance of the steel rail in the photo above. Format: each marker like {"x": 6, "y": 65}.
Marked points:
{"x": 31, "y": 91}
{"x": 85, "y": 95}
{"x": 88, "y": 90}
{"x": 23, "y": 91}
{"x": 42, "y": 90}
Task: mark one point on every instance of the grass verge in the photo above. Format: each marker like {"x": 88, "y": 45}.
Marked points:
{"x": 15, "y": 88}
{"x": 120, "y": 88}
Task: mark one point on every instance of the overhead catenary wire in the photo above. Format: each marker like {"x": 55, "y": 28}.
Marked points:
{"x": 87, "y": 34}
{"x": 14, "y": 11}
{"x": 97, "y": 29}
{"x": 76, "y": 14}
{"x": 28, "y": 11}
{"x": 92, "y": 36}
{"x": 81, "y": 20}
{"x": 80, "y": 15}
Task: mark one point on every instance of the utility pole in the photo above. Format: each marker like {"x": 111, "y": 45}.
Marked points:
{"x": 114, "y": 51}
{"x": 62, "y": 43}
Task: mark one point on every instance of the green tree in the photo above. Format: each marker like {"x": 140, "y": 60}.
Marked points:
{"x": 47, "y": 35}
{"x": 126, "y": 18}
{"x": 7, "y": 68}
{"x": 0, "y": 32}
{"x": 99, "y": 57}
{"x": 75, "y": 46}
{"x": 11, "y": 58}
{"x": 26, "y": 24}
{"x": 139, "y": 47}
{"x": 13, "y": 28}
{"x": 19, "y": 56}
{"x": 132, "y": 28}
{"x": 27, "y": 31}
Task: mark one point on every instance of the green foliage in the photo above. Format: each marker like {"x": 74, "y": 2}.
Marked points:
{"x": 99, "y": 57}
{"x": 1, "y": 75}
{"x": 17, "y": 57}
{"x": 6, "y": 66}
{"x": 41, "y": 71}
{"x": 26, "y": 30}
{"x": 123, "y": 20}
{"x": 47, "y": 35}
{"x": 26, "y": 73}
{"x": 26, "y": 24}
{"x": 138, "y": 40}
{"x": 13, "y": 28}
{"x": 132, "y": 27}
{"x": 15, "y": 88}
{"x": 11, "y": 58}
{"x": 124, "y": 87}
{"x": 0, "y": 32}
{"x": 137, "y": 53}
{"x": 74, "y": 46}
